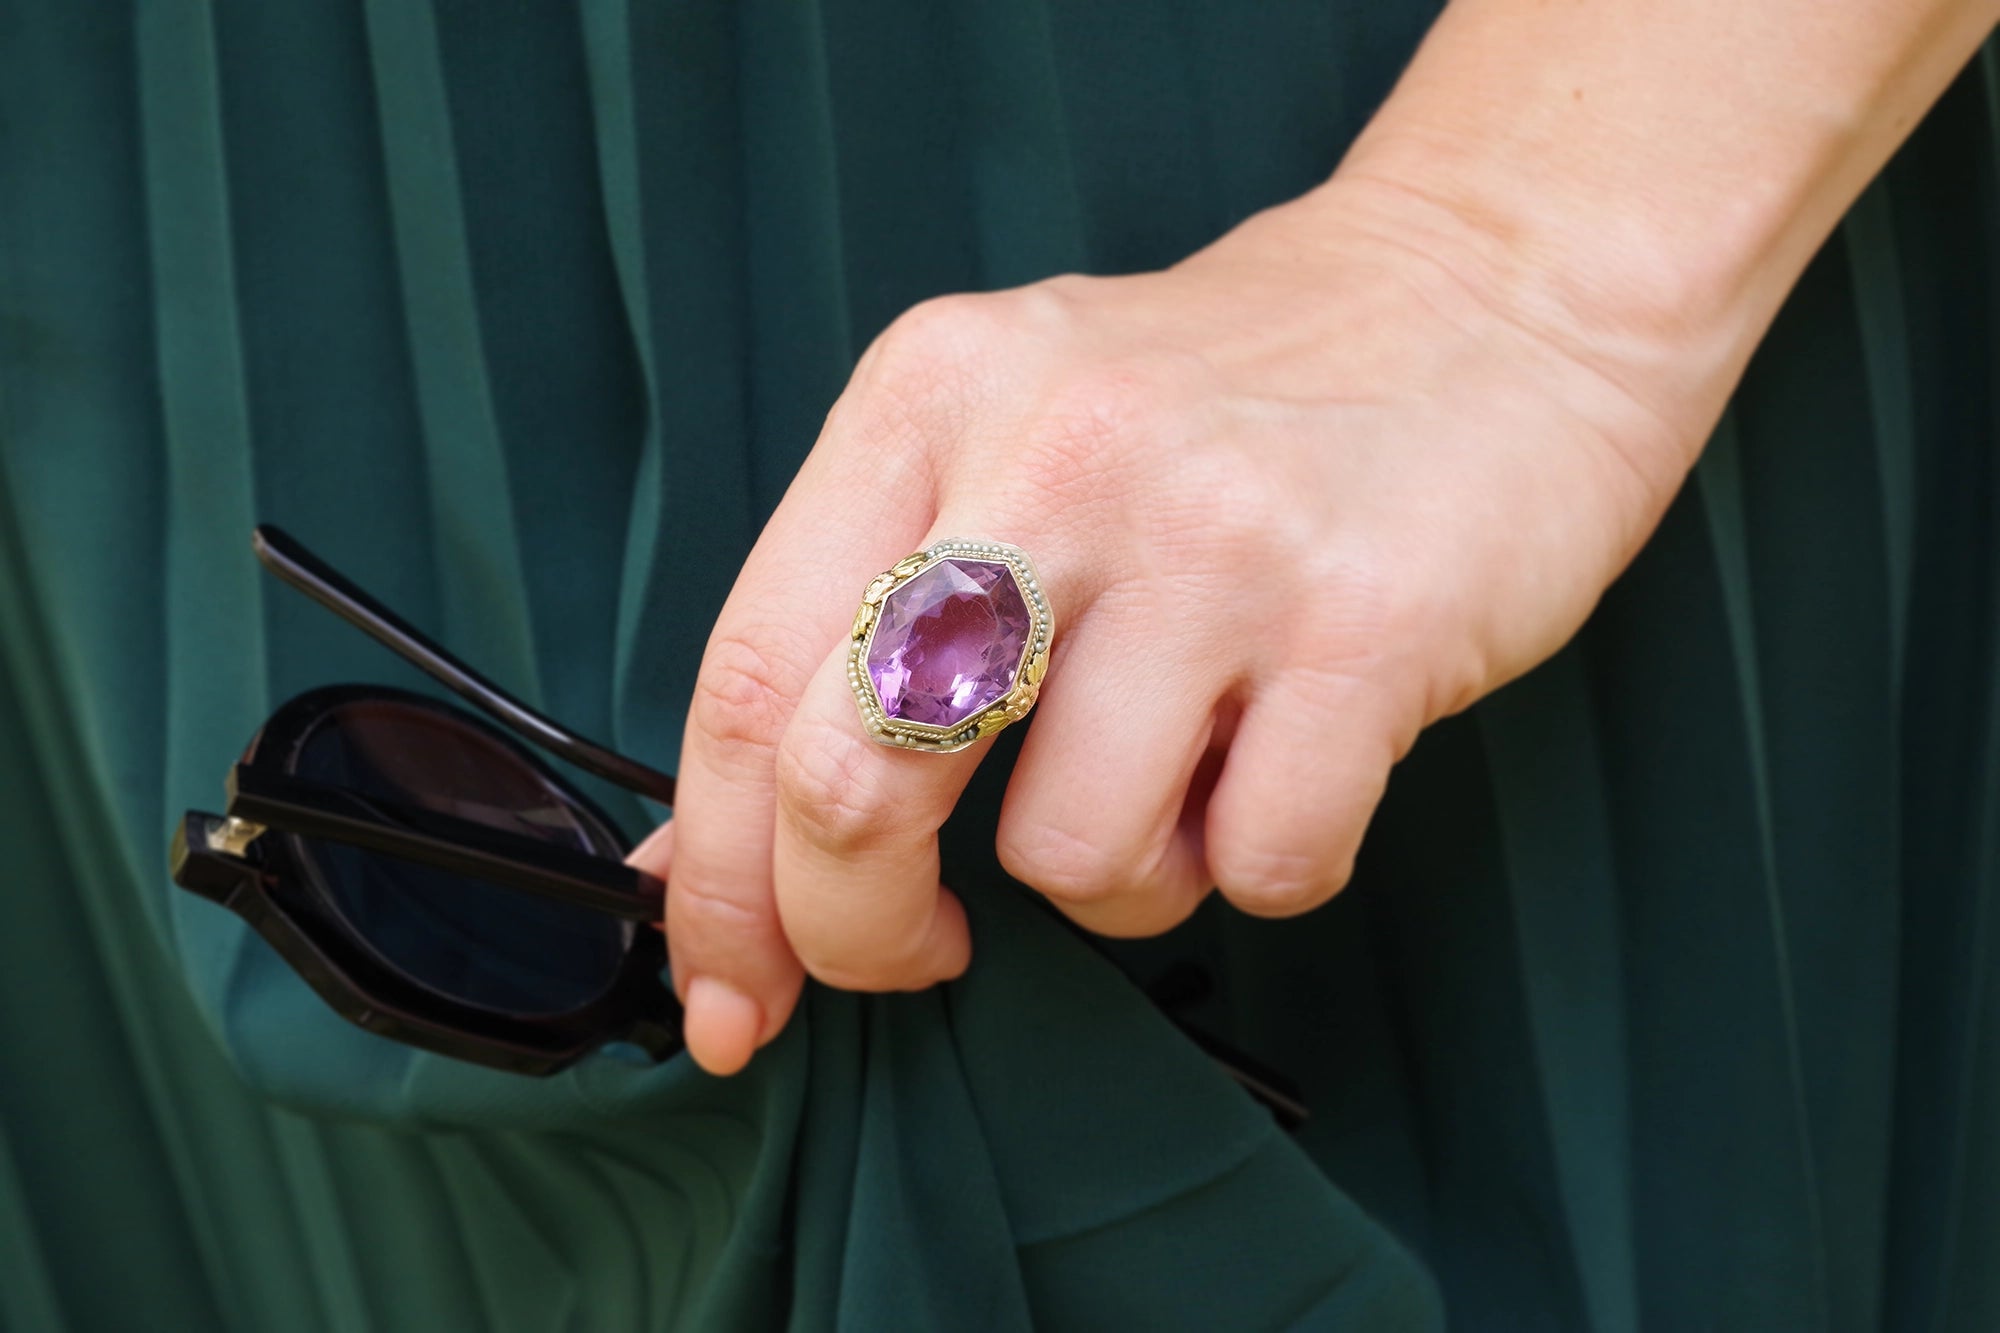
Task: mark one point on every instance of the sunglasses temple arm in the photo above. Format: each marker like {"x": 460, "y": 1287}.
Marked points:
{"x": 299, "y": 567}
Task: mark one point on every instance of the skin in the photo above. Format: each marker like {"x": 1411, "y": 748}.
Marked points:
{"x": 1364, "y": 459}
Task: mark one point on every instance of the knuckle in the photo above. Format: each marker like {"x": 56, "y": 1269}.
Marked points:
{"x": 1061, "y": 865}
{"x": 951, "y": 319}
{"x": 1064, "y": 292}
{"x": 829, "y": 789}
{"x": 1276, "y": 882}
{"x": 743, "y": 694}
{"x": 937, "y": 337}
{"x": 698, "y": 907}
{"x": 928, "y": 372}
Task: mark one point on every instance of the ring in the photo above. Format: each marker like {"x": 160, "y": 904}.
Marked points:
{"x": 950, "y": 645}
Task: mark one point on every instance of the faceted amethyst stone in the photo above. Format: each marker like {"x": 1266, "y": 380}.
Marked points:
{"x": 949, "y": 642}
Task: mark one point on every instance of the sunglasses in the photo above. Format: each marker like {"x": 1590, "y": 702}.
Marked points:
{"x": 426, "y": 873}
{"x": 438, "y": 883}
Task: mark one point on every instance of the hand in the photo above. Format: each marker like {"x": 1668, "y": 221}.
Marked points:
{"x": 1292, "y": 500}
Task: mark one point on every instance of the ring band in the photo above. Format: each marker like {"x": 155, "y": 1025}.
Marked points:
{"x": 950, "y": 645}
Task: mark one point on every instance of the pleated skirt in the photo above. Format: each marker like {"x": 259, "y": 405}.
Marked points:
{"x": 1660, "y": 996}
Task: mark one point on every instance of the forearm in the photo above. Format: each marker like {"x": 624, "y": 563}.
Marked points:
{"x": 1653, "y": 173}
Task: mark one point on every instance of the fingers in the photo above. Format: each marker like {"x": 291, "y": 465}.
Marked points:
{"x": 1097, "y": 814}
{"x": 717, "y": 1017}
{"x": 1093, "y": 813}
{"x": 1304, "y": 774}
{"x": 732, "y": 964}
{"x": 722, "y": 1018}
{"x": 856, "y": 855}
{"x": 656, "y": 853}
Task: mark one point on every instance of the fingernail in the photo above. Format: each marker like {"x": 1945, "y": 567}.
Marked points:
{"x": 722, "y": 1025}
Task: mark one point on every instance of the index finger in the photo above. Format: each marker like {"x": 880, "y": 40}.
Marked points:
{"x": 737, "y": 975}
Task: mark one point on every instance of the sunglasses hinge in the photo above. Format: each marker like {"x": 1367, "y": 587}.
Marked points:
{"x": 233, "y": 835}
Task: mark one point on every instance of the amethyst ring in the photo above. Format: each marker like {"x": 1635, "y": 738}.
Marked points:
{"x": 950, "y": 645}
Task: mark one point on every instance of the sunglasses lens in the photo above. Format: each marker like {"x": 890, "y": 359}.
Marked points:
{"x": 472, "y": 941}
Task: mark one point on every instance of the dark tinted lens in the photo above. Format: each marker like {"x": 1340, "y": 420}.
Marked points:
{"x": 475, "y": 942}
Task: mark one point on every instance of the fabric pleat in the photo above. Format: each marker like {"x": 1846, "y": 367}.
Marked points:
{"x": 1661, "y": 997}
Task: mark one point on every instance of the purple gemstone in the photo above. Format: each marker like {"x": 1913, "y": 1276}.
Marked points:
{"x": 949, "y": 642}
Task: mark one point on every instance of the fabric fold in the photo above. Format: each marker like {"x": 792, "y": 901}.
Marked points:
{"x": 1661, "y": 995}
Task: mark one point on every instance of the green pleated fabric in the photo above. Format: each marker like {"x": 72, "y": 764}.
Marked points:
{"x": 1659, "y": 999}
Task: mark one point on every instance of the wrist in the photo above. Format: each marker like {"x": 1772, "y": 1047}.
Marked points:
{"x": 1652, "y": 376}
{"x": 1619, "y": 291}
{"x": 1628, "y": 182}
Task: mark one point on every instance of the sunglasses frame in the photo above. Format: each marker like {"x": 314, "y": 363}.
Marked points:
{"x": 256, "y": 859}
{"x": 277, "y": 886}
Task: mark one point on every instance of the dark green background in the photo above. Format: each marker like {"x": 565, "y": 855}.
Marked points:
{"x": 1660, "y": 999}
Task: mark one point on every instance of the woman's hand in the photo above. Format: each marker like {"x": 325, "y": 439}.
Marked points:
{"x": 1363, "y": 459}
{"x": 1294, "y": 499}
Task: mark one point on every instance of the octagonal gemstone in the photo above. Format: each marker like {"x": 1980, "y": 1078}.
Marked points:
{"x": 949, "y": 642}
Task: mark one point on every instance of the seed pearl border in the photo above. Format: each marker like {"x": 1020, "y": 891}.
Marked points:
{"x": 1010, "y": 707}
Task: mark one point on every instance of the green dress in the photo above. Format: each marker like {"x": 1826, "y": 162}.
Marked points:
{"x": 1659, "y": 999}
